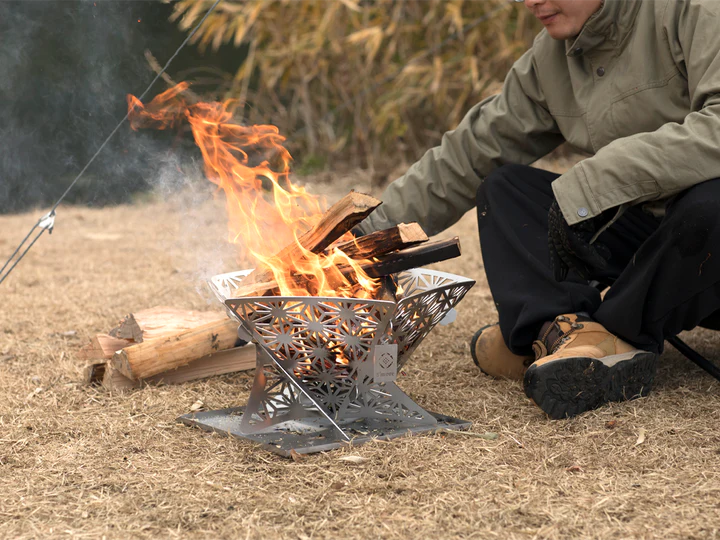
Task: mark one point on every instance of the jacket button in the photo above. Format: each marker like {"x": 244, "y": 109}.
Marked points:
{"x": 582, "y": 211}
{"x": 600, "y": 71}
{"x": 578, "y": 51}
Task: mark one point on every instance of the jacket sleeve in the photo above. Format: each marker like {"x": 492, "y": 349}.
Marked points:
{"x": 662, "y": 163}
{"x": 511, "y": 127}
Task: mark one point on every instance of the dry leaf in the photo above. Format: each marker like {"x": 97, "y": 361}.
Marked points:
{"x": 355, "y": 460}
{"x": 197, "y": 406}
{"x": 574, "y": 469}
{"x": 641, "y": 437}
{"x": 337, "y": 485}
{"x": 296, "y": 457}
{"x": 611, "y": 424}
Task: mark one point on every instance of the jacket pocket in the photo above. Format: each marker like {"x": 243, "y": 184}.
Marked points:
{"x": 650, "y": 106}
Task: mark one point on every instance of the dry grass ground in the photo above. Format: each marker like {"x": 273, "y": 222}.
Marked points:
{"x": 79, "y": 462}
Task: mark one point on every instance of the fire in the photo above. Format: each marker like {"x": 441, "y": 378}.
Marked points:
{"x": 266, "y": 211}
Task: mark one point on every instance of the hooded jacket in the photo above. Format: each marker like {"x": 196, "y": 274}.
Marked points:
{"x": 638, "y": 89}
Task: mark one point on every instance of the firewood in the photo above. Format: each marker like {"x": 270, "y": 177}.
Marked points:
{"x": 415, "y": 257}
{"x": 220, "y": 363}
{"x": 407, "y": 259}
{"x": 160, "y": 321}
{"x": 102, "y": 346}
{"x": 380, "y": 243}
{"x": 387, "y": 290}
{"x": 339, "y": 219}
{"x": 95, "y": 372}
{"x": 155, "y": 356}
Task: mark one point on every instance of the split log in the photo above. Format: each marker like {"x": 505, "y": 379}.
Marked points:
{"x": 383, "y": 242}
{"x": 155, "y": 356}
{"x": 102, "y": 347}
{"x": 415, "y": 257}
{"x": 400, "y": 261}
{"x": 339, "y": 219}
{"x": 220, "y": 363}
{"x": 161, "y": 321}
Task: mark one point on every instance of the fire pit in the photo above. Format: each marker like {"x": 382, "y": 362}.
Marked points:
{"x": 326, "y": 366}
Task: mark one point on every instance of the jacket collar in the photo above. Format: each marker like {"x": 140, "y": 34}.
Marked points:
{"x": 609, "y": 25}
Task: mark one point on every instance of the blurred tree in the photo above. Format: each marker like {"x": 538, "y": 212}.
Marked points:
{"x": 363, "y": 79}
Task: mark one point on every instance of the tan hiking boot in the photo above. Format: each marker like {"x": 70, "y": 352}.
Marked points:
{"x": 580, "y": 365}
{"x": 493, "y": 357}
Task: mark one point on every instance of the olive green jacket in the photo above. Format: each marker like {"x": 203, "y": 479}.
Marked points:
{"x": 638, "y": 88}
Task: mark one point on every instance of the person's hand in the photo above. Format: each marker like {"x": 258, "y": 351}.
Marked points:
{"x": 570, "y": 246}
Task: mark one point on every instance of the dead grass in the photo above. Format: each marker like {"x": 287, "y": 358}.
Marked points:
{"x": 78, "y": 462}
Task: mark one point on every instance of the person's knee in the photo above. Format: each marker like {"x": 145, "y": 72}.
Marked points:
{"x": 498, "y": 180}
{"x": 694, "y": 219}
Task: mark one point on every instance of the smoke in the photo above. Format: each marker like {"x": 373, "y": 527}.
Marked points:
{"x": 66, "y": 68}
{"x": 200, "y": 244}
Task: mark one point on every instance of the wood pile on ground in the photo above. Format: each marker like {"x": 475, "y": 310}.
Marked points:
{"x": 166, "y": 345}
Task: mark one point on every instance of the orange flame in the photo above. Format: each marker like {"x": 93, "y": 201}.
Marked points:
{"x": 243, "y": 161}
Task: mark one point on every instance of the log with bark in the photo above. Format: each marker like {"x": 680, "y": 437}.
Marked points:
{"x": 415, "y": 257}
{"x": 220, "y": 363}
{"x": 382, "y": 242}
{"x": 197, "y": 345}
{"x": 155, "y": 356}
{"x": 160, "y": 321}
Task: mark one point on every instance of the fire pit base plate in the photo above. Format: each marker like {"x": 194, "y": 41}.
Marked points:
{"x": 311, "y": 435}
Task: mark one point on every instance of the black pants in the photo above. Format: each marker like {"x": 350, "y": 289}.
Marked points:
{"x": 665, "y": 272}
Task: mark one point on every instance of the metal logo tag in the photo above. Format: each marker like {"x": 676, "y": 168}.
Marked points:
{"x": 385, "y": 363}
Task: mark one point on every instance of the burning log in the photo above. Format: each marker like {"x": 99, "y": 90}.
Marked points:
{"x": 155, "y": 356}
{"x": 406, "y": 259}
{"x": 339, "y": 219}
{"x": 414, "y": 257}
{"x": 382, "y": 242}
{"x": 240, "y": 160}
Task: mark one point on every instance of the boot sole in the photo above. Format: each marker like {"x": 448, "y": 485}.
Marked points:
{"x": 567, "y": 387}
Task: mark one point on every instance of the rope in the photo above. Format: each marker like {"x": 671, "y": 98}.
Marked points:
{"x": 47, "y": 221}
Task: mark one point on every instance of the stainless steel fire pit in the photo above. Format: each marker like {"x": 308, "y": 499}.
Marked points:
{"x": 326, "y": 367}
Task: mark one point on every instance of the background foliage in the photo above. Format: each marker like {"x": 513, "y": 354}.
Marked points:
{"x": 355, "y": 81}
{"x": 363, "y": 80}
{"x": 67, "y": 66}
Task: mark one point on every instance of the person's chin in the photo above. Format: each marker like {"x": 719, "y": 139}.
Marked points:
{"x": 560, "y": 34}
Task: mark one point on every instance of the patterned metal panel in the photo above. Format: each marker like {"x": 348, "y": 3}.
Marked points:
{"x": 316, "y": 354}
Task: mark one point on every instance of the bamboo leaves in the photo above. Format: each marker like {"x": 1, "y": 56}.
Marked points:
{"x": 352, "y": 77}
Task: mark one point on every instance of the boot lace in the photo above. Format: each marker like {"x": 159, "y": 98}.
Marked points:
{"x": 554, "y": 337}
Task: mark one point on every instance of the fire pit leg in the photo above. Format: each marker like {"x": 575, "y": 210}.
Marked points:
{"x": 277, "y": 396}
